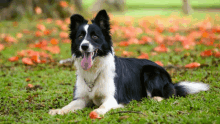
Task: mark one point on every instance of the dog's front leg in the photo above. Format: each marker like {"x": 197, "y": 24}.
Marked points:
{"x": 71, "y": 107}
{"x": 108, "y": 104}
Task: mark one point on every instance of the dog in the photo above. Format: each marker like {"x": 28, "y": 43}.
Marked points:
{"x": 109, "y": 81}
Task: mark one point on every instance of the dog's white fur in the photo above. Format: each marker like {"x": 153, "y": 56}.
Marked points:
{"x": 102, "y": 93}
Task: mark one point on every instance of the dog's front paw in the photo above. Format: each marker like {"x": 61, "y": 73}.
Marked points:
{"x": 58, "y": 111}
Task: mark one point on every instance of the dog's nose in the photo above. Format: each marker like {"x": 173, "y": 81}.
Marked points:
{"x": 85, "y": 46}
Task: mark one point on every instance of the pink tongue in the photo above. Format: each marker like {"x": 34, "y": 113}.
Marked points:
{"x": 86, "y": 62}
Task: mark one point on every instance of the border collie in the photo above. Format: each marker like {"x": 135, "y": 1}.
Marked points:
{"x": 109, "y": 81}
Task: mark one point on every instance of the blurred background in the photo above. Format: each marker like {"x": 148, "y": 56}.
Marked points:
{"x": 17, "y": 9}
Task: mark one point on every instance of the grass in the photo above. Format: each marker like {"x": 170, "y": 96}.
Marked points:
{"x": 53, "y": 84}
{"x": 143, "y": 4}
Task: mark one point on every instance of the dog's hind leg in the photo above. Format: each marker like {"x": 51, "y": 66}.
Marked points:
{"x": 157, "y": 82}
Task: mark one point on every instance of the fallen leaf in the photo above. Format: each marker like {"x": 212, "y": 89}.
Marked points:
{"x": 63, "y": 4}
{"x": 13, "y": 59}
{"x": 27, "y": 80}
{"x": 193, "y": 65}
{"x": 64, "y": 35}
{"x": 38, "y": 10}
{"x": 206, "y": 53}
{"x": 1, "y": 47}
{"x": 123, "y": 43}
{"x": 54, "y": 49}
{"x": 94, "y": 115}
{"x": 161, "y": 48}
{"x": 143, "y": 56}
{"x": 30, "y": 85}
{"x": 27, "y": 61}
{"x": 41, "y": 27}
{"x": 159, "y": 63}
{"x": 126, "y": 53}
{"x": 217, "y": 54}
{"x": 54, "y": 41}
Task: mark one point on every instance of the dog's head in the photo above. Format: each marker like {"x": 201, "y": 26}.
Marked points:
{"x": 90, "y": 41}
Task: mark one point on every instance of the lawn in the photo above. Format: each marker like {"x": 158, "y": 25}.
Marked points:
{"x": 28, "y": 90}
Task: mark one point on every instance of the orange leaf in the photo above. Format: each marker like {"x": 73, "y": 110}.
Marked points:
{"x": 64, "y": 35}
{"x": 13, "y": 59}
{"x": 54, "y": 41}
{"x": 159, "y": 63}
{"x": 217, "y": 54}
{"x": 47, "y": 32}
{"x": 59, "y": 22}
{"x": 206, "y": 53}
{"x": 54, "y": 49}
{"x": 143, "y": 56}
{"x": 38, "y": 10}
{"x": 30, "y": 85}
{"x": 123, "y": 43}
{"x": 126, "y": 53}
{"x": 36, "y": 58}
{"x": 193, "y": 65}
{"x": 94, "y": 115}
{"x": 27, "y": 61}
{"x": 38, "y": 34}
{"x": 64, "y": 27}
{"x": 1, "y": 47}
{"x": 41, "y": 27}
{"x": 19, "y": 35}
{"x": 66, "y": 41}
{"x": 161, "y": 48}
{"x": 63, "y": 4}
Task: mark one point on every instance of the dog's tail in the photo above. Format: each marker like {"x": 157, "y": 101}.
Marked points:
{"x": 185, "y": 87}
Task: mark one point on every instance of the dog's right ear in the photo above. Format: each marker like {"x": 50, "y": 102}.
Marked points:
{"x": 75, "y": 21}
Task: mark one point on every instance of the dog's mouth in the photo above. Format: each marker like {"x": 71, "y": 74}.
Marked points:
{"x": 87, "y": 59}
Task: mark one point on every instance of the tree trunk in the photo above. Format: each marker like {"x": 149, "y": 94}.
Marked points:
{"x": 112, "y": 5}
{"x": 186, "y": 7}
{"x": 78, "y": 4}
{"x": 50, "y": 8}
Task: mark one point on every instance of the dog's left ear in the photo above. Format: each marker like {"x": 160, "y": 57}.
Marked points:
{"x": 102, "y": 20}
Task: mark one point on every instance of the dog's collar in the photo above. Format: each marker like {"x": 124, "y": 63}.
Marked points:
{"x": 91, "y": 85}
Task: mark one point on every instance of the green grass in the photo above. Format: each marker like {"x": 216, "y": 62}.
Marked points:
{"x": 54, "y": 84}
{"x": 143, "y": 4}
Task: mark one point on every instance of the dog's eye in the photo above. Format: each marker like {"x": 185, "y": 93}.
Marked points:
{"x": 94, "y": 37}
{"x": 80, "y": 37}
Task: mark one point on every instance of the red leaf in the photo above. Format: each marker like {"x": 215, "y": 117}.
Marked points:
{"x": 30, "y": 85}
{"x": 193, "y": 65}
{"x": 161, "y": 48}
{"x": 217, "y": 54}
{"x": 54, "y": 41}
{"x": 13, "y": 59}
{"x": 27, "y": 61}
{"x": 159, "y": 63}
{"x": 206, "y": 53}
{"x": 1, "y": 47}
{"x": 94, "y": 115}
{"x": 54, "y": 49}
{"x": 64, "y": 35}
{"x": 123, "y": 43}
{"x": 126, "y": 53}
{"x": 143, "y": 56}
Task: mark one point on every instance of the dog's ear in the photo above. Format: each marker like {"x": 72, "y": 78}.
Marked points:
{"x": 102, "y": 20}
{"x": 75, "y": 21}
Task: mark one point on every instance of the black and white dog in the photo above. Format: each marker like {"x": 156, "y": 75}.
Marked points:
{"x": 109, "y": 81}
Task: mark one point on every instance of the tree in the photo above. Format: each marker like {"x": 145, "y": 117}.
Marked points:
{"x": 11, "y": 9}
{"x": 117, "y": 5}
{"x": 186, "y": 7}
